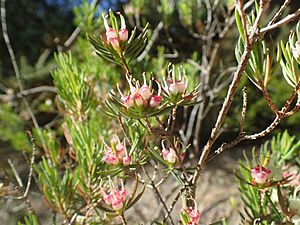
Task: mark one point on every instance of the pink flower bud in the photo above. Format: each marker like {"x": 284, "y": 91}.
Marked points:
{"x": 181, "y": 86}
{"x": 110, "y": 158}
{"x": 120, "y": 150}
{"x": 173, "y": 88}
{"x": 145, "y": 92}
{"x": 194, "y": 215}
{"x": 111, "y": 34}
{"x": 117, "y": 204}
{"x": 127, "y": 101}
{"x": 169, "y": 155}
{"x": 123, "y": 34}
{"x": 260, "y": 174}
{"x": 108, "y": 199}
{"x": 126, "y": 160}
{"x": 114, "y": 42}
{"x": 122, "y": 194}
{"x": 138, "y": 99}
{"x": 155, "y": 101}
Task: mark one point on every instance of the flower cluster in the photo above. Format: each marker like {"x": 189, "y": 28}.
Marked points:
{"x": 175, "y": 87}
{"x": 260, "y": 174}
{"x": 170, "y": 155}
{"x": 192, "y": 214}
{"x": 116, "y": 153}
{"x": 116, "y": 198}
{"x": 113, "y": 36}
{"x": 141, "y": 97}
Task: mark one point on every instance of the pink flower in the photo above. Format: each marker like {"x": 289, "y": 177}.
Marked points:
{"x": 176, "y": 87}
{"x": 173, "y": 88}
{"x": 169, "y": 155}
{"x": 138, "y": 99}
{"x": 110, "y": 158}
{"x": 155, "y": 101}
{"x": 115, "y": 199}
{"x": 114, "y": 42}
{"x": 111, "y": 33}
{"x": 260, "y": 174}
{"x": 117, "y": 204}
{"x": 121, "y": 151}
{"x": 193, "y": 214}
{"x": 126, "y": 160}
{"x": 145, "y": 92}
{"x": 108, "y": 198}
{"x": 127, "y": 101}
{"x": 119, "y": 194}
{"x": 123, "y": 34}
{"x": 181, "y": 86}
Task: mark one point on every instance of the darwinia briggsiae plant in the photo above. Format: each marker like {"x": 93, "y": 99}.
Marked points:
{"x": 102, "y": 176}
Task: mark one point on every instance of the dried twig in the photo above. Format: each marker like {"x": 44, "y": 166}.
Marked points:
{"x": 17, "y": 71}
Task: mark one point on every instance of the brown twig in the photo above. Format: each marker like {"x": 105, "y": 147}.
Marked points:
{"x": 158, "y": 195}
{"x": 240, "y": 8}
{"x": 17, "y": 71}
{"x": 267, "y": 97}
{"x": 229, "y": 97}
{"x": 30, "y": 174}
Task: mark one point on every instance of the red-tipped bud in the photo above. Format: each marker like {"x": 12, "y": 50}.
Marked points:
{"x": 169, "y": 155}
{"x": 111, "y": 34}
{"x": 108, "y": 199}
{"x": 110, "y": 158}
{"x": 117, "y": 204}
{"x": 114, "y": 42}
{"x": 123, "y": 34}
{"x": 260, "y": 174}
{"x": 155, "y": 101}
{"x": 138, "y": 99}
{"x": 177, "y": 87}
{"x": 120, "y": 150}
{"x": 126, "y": 160}
{"x": 127, "y": 101}
{"x": 145, "y": 92}
{"x": 181, "y": 86}
{"x": 173, "y": 88}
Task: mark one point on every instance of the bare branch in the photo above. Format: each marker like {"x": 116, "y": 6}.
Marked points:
{"x": 17, "y": 71}
{"x": 286, "y": 20}
{"x": 279, "y": 12}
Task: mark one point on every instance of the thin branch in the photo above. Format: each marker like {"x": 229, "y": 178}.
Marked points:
{"x": 281, "y": 114}
{"x": 285, "y": 20}
{"x": 15, "y": 172}
{"x": 151, "y": 41}
{"x": 17, "y": 71}
{"x": 30, "y": 174}
{"x": 158, "y": 195}
{"x": 240, "y": 8}
{"x": 267, "y": 97}
{"x": 244, "y": 109}
{"x": 279, "y": 12}
{"x": 78, "y": 29}
{"x": 229, "y": 97}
